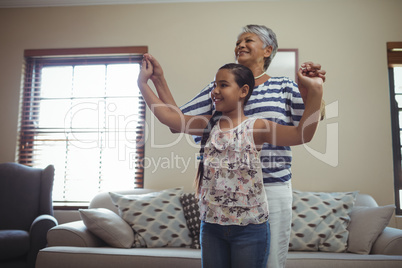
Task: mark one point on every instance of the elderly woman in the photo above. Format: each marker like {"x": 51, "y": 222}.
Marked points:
{"x": 274, "y": 98}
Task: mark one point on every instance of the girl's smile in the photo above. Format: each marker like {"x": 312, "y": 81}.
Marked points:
{"x": 216, "y": 99}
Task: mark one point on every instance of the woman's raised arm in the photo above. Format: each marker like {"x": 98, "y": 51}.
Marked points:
{"x": 280, "y": 135}
{"x": 168, "y": 114}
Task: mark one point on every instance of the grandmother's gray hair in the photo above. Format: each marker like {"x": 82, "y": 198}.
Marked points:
{"x": 267, "y": 36}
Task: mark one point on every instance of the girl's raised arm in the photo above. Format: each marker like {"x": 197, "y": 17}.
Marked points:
{"x": 168, "y": 114}
{"x": 280, "y": 135}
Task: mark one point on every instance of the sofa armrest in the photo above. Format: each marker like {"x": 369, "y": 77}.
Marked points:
{"x": 74, "y": 234}
{"x": 389, "y": 242}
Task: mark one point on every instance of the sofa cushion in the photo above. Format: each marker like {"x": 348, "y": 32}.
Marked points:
{"x": 192, "y": 215}
{"x": 320, "y": 220}
{"x": 366, "y": 225}
{"x": 13, "y": 244}
{"x": 157, "y": 218}
{"x": 108, "y": 226}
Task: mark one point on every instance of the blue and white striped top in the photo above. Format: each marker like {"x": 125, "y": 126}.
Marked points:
{"x": 278, "y": 100}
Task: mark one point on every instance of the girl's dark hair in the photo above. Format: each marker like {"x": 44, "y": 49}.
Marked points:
{"x": 243, "y": 76}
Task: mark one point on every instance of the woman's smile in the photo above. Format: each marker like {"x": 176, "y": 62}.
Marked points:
{"x": 241, "y": 52}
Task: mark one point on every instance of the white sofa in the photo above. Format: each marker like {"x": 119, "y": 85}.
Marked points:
{"x": 73, "y": 245}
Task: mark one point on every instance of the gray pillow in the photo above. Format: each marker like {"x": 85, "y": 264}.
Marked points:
{"x": 108, "y": 226}
{"x": 366, "y": 224}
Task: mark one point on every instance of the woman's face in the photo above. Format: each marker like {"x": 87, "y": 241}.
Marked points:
{"x": 249, "y": 50}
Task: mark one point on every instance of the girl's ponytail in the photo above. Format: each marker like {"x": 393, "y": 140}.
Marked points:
{"x": 205, "y": 136}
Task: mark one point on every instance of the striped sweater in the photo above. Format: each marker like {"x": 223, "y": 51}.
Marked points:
{"x": 278, "y": 100}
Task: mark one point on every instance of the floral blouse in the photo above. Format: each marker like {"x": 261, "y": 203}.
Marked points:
{"x": 232, "y": 190}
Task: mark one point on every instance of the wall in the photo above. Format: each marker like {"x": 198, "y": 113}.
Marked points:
{"x": 191, "y": 40}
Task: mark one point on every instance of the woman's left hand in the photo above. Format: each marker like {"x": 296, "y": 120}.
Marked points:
{"x": 310, "y": 69}
{"x": 313, "y": 69}
{"x": 309, "y": 83}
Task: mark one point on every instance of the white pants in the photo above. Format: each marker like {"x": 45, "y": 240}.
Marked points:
{"x": 279, "y": 197}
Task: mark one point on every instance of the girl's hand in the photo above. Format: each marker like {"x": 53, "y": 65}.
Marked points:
{"x": 309, "y": 83}
{"x": 313, "y": 70}
{"x": 146, "y": 71}
{"x": 310, "y": 69}
{"x": 157, "y": 68}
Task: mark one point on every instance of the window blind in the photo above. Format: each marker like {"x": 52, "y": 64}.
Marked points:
{"x": 81, "y": 110}
{"x": 394, "y": 56}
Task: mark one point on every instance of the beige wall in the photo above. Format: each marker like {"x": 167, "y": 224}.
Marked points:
{"x": 348, "y": 37}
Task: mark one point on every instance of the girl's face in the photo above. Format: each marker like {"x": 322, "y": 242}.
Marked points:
{"x": 227, "y": 95}
{"x": 249, "y": 50}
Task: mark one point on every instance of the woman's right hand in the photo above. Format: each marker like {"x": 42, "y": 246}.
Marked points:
{"x": 145, "y": 72}
{"x": 157, "y": 68}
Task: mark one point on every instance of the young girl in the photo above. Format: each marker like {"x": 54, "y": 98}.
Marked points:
{"x": 233, "y": 206}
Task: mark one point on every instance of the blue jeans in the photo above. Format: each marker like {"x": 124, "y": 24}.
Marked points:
{"x": 231, "y": 246}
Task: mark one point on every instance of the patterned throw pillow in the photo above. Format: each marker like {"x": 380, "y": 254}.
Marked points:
{"x": 319, "y": 221}
{"x": 157, "y": 218}
{"x": 192, "y": 215}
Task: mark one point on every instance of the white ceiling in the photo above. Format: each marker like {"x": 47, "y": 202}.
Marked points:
{"x": 49, "y": 3}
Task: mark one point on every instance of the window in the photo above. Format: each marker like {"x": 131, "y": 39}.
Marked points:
{"x": 395, "y": 85}
{"x": 83, "y": 112}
